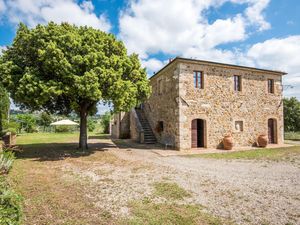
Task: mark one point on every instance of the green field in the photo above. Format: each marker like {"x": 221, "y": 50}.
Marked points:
{"x": 42, "y": 138}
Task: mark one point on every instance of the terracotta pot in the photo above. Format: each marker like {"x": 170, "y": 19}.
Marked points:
{"x": 262, "y": 140}
{"x": 228, "y": 142}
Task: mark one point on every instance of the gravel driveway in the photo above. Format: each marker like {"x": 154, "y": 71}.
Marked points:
{"x": 244, "y": 191}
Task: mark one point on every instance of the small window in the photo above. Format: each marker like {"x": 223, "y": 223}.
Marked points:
{"x": 237, "y": 83}
{"x": 239, "y": 126}
{"x": 198, "y": 79}
{"x": 271, "y": 86}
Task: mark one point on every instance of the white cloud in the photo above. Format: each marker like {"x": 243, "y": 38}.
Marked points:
{"x": 178, "y": 27}
{"x": 255, "y": 16}
{"x": 153, "y": 65}
{"x": 280, "y": 54}
{"x": 33, "y": 12}
{"x": 2, "y": 48}
{"x": 2, "y": 6}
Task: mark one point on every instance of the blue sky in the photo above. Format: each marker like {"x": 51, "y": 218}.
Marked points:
{"x": 260, "y": 33}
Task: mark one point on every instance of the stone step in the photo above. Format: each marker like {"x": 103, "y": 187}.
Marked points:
{"x": 149, "y": 137}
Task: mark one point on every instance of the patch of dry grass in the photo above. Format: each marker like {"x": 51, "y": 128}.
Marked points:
{"x": 170, "y": 191}
{"x": 50, "y": 199}
{"x": 146, "y": 212}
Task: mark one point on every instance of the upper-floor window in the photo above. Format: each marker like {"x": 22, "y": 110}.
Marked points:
{"x": 237, "y": 83}
{"x": 271, "y": 86}
{"x": 198, "y": 79}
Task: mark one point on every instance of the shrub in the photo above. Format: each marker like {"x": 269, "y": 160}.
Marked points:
{"x": 105, "y": 120}
{"x": 6, "y": 160}
{"x": 63, "y": 129}
{"x": 91, "y": 124}
{"x": 10, "y": 205}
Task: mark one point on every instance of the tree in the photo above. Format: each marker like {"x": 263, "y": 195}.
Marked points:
{"x": 45, "y": 119}
{"x": 4, "y": 108}
{"x": 65, "y": 68}
{"x": 105, "y": 120}
{"x": 27, "y": 121}
{"x": 291, "y": 109}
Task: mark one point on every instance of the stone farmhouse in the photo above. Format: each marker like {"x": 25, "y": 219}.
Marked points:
{"x": 195, "y": 103}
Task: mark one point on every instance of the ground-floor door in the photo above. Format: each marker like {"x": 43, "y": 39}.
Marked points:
{"x": 272, "y": 131}
{"x": 197, "y": 135}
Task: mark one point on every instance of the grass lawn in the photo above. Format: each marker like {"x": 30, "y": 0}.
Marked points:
{"x": 42, "y": 138}
{"x": 276, "y": 154}
{"x": 293, "y": 136}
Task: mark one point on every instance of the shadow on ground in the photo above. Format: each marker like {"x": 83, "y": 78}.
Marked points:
{"x": 130, "y": 144}
{"x": 60, "y": 151}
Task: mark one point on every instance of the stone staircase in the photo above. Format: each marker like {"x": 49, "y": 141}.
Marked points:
{"x": 149, "y": 137}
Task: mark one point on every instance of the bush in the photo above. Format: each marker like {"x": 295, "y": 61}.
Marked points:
{"x": 63, "y": 129}
{"x": 6, "y": 160}
{"x": 10, "y": 205}
{"x": 105, "y": 120}
{"x": 91, "y": 125}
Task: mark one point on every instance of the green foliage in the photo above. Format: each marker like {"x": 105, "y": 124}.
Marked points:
{"x": 63, "y": 129}
{"x": 91, "y": 124}
{"x": 105, "y": 121}
{"x": 6, "y": 160}
{"x": 45, "y": 119}
{"x": 294, "y": 136}
{"x": 28, "y": 122}
{"x": 65, "y": 68}
{"x": 12, "y": 126}
{"x": 4, "y": 107}
{"x": 291, "y": 109}
{"x": 10, "y": 205}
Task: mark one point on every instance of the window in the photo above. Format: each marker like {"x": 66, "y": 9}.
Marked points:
{"x": 198, "y": 79}
{"x": 239, "y": 126}
{"x": 271, "y": 86}
{"x": 237, "y": 83}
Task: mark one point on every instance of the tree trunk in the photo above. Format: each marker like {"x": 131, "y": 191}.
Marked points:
{"x": 83, "y": 128}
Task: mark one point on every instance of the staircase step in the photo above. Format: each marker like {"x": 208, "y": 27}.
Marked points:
{"x": 149, "y": 137}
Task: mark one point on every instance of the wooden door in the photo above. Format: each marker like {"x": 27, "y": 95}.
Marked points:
{"x": 194, "y": 134}
{"x": 271, "y": 131}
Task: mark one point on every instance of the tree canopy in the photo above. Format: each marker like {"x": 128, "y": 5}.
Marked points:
{"x": 291, "y": 109}
{"x": 64, "y": 68}
{"x": 4, "y": 107}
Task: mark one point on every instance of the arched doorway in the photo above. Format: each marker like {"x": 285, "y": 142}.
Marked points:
{"x": 198, "y": 133}
{"x": 272, "y": 131}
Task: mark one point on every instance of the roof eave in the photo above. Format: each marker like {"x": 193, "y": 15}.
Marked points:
{"x": 218, "y": 64}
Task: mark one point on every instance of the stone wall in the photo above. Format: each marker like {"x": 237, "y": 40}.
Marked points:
{"x": 136, "y": 131}
{"x": 220, "y": 106}
{"x": 163, "y": 105}
{"x": 120, "y": 125}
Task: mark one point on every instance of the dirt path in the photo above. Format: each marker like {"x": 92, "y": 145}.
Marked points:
{"x": 66, "y": 187}
{"x": 248, "y": 192}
